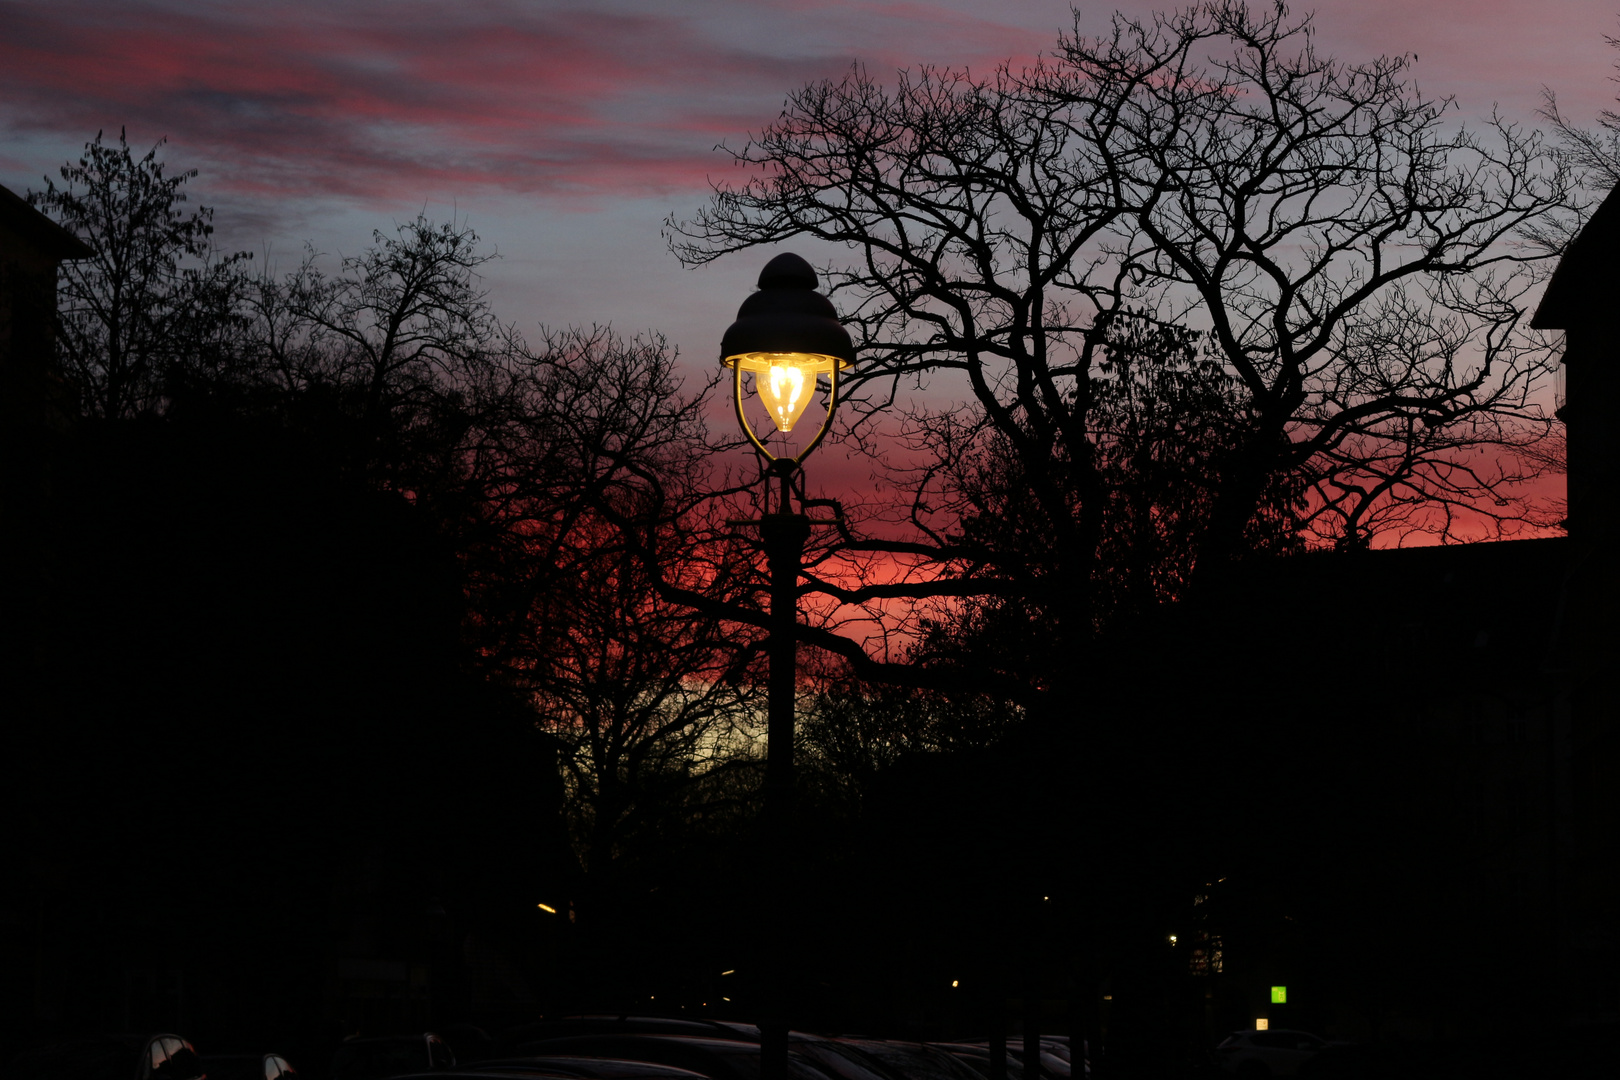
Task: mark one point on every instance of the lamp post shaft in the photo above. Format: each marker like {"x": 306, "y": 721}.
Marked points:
{"x": 786, "y": 334}
{"x": 784, "y": 535}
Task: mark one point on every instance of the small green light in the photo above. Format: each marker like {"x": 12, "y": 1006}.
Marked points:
{"x": 1279, "y": 995}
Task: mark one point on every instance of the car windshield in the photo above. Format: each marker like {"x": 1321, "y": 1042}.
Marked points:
{"x": 171, "y": 1058}
{"x": 979, "y": 1062}
{"x": 917, "y": 1062}
{"x": 840, "y": 1061}
{"x": 744, "y": 1057}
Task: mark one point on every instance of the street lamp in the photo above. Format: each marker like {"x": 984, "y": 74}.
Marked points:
{"x": 788, "y": 338}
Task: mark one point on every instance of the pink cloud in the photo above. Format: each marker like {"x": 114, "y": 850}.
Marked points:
{"x": 596, "y": 98}
{"x": 384, "y": 100}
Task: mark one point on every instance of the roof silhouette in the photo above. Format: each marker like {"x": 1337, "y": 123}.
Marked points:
{"x": 51, "y": 238}
{"x": 1585, "y": 287}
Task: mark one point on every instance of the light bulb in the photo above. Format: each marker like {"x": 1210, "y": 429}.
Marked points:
{"x": 785, "y": 383}
{"x": 785, "y": 388}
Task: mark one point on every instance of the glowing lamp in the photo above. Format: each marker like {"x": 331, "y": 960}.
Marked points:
{"x": 785, "y": 382}
{"x": 1261, "y": 1024}
{"x": 787, "y": 336}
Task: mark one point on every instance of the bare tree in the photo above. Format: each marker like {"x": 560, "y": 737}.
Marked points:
{"x": 1594, "y": 153}
{"x": 631, "y": 686}
{"x": 597, "y": 455}
{"x": 1351, "y": 252}
{"x": 156, "y": 299}
{"x": 547, "y": 468}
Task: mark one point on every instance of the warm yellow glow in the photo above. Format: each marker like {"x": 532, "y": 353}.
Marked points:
{"x": 733, "y": 971}
{"x": 785, "y": 382}
{"x": 547, "y": 908}
{"x": 954, "y": 984}
{"x": 1172, "y": 939}
{"x": 783, "y": 392}
{"x": 1260, "y": 1024}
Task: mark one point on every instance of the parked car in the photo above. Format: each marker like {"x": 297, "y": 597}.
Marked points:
{"x": 111, "y": 1057}
{"x": 588, "y": 1068}
{"x": 718, "y": 1059}
{"x": 839, "y": 1059}
{"x": 394, "y": 1055}
{"x": 836, "y": 1058}
{"x": 917, "y": 1061}
{"x": 479, "y": 1072}
{"x": 559, "y": 1027}
{"x": 1056, "y": 1045}
{"x": 978, "y": 1059}
{"x": 977, "y": 1056}
{"x": 1275, "y": 1052}
{"x": 247, "y": 1067}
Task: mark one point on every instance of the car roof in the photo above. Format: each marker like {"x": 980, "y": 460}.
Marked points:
{"x": 587, "y": 1064}
{"x": 942, "y": 1062}
{"x": 690, "y": 1050}
{"x": 473, "y": 1073}
{"x": 716, "y": 1042}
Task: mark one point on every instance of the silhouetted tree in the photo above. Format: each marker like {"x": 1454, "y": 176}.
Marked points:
{"x": 400, "y": 342}
{"x": 631, "y": 687}
{"x": 1164, "y": 418}
{"x": 1351, "y": 253}
{"x": 1595, "y": 153}
{"x": 600, "y": 441}
{"x": 519, "y": 477}
{"x": 156, "y": 297}
{"x": 851, "y": 732}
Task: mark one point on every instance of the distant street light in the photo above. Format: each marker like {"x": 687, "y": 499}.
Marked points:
{"x": 787, "y": 336}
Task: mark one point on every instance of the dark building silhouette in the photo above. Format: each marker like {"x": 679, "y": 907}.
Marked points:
{"x": 1583, "y": 300}
{"x": 36, "y": 406}
{"x": 34, "y": 412}
{"x": 32, "y": 246}
{"x": 251, "y": 792}
{"x": 1408, "y": 758}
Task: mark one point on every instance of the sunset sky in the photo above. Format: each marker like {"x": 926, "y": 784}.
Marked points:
{"x": 565, "y": 132}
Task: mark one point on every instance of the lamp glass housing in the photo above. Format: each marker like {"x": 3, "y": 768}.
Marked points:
{"x": 785, "y": 381}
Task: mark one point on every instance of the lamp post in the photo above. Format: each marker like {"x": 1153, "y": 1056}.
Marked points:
{"x": 787, "y": 336}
